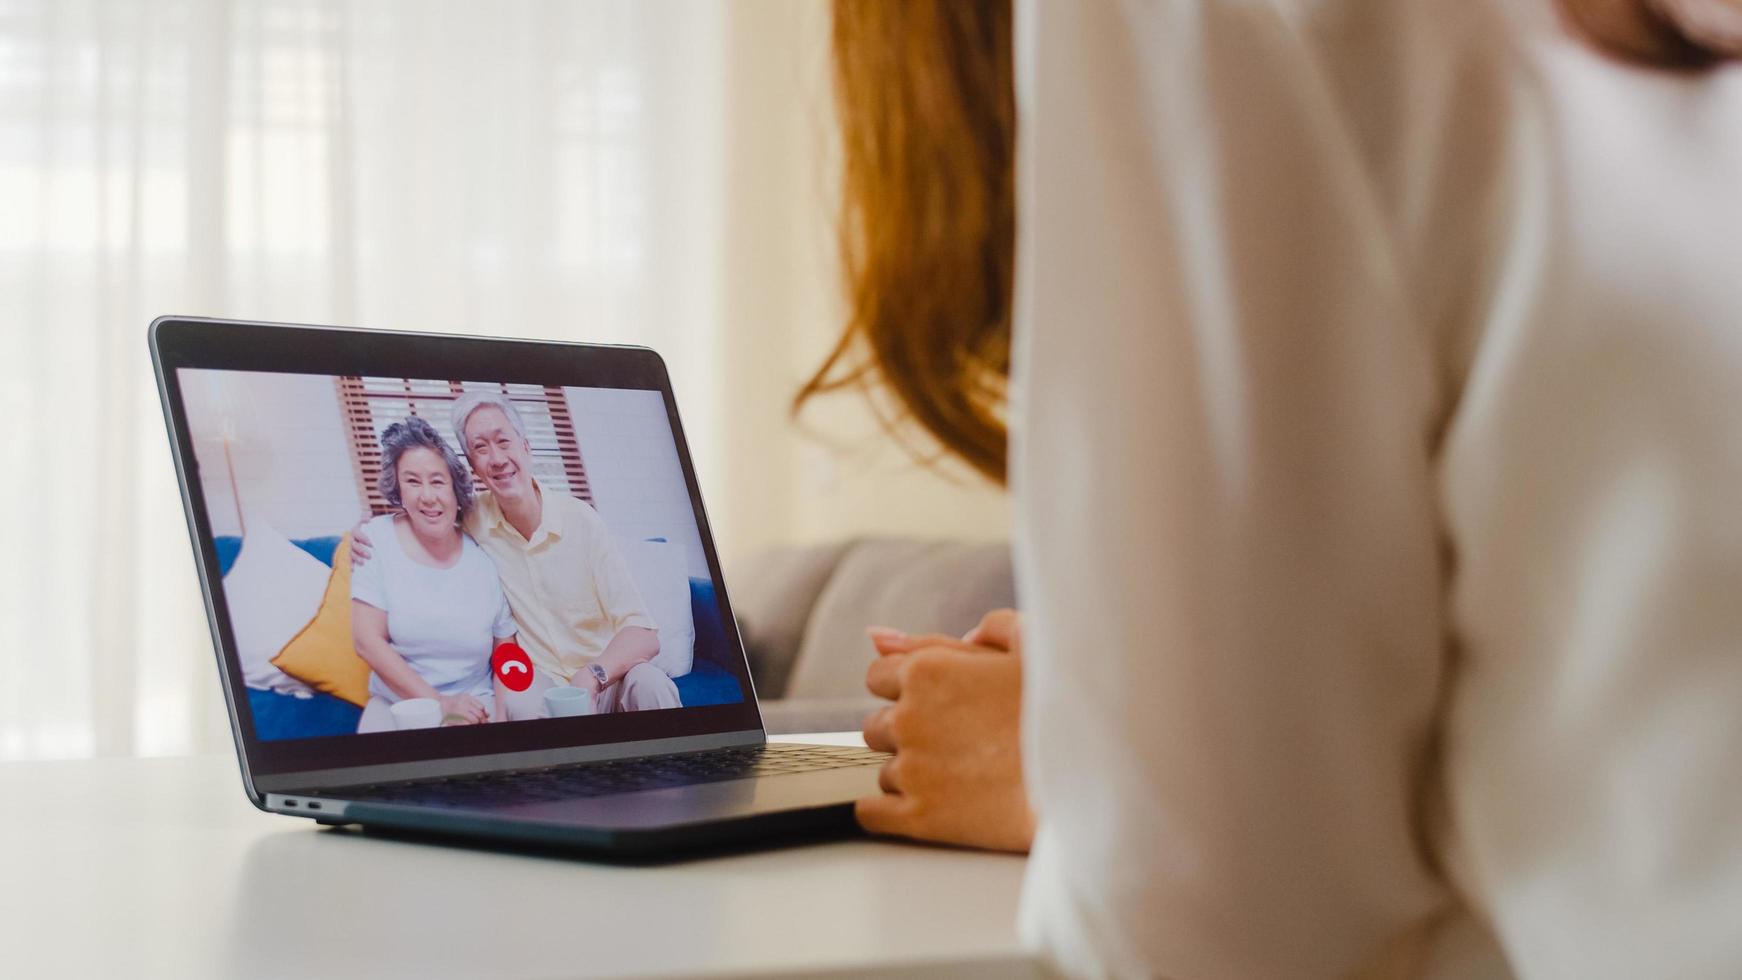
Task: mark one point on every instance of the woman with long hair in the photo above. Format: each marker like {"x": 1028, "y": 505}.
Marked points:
{"x": 1371, "y": 371}
{"x": 428, "y": 610}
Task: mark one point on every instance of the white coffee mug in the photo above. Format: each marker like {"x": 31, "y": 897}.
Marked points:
{"x": 568, "y": 702}
{"x": 417, "y": 713}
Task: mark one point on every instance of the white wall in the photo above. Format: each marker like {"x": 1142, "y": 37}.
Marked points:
{"x": 287, "y": 443}
{"x": 632, "y": 464}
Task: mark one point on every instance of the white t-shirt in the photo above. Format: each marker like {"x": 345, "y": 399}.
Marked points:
{"x": 443, "y": 621}
{"x": 1377, "y": 467}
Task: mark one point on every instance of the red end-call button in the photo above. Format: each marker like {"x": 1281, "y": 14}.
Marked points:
{"x": 513, "y": 667}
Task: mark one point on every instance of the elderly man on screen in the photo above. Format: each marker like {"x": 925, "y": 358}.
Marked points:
{"x": 581, "y": 619}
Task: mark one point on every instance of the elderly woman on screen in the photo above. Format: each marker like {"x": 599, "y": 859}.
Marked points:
{"x": 428, "y": 610}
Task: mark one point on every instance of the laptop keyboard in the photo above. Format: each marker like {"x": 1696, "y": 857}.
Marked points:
{"x": 617, "y": 776}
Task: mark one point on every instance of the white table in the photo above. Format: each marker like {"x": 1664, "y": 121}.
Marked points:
{"x": 160, "y": 867}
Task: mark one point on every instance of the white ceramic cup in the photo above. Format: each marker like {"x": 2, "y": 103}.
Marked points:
{"x": 417, "y": 713}
{"x": 568, "y": 702}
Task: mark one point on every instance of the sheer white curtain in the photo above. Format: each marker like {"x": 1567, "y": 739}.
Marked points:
{"x": 546, "y": 168}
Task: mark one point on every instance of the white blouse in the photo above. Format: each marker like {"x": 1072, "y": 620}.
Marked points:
{"x": 1377, "y": 456}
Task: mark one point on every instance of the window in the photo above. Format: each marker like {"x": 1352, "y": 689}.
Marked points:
{"x": 372, "y": 404}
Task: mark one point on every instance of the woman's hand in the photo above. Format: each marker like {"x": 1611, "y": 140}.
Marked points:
{"x": 955, "y": 730}
{"x": 462, "y": 709}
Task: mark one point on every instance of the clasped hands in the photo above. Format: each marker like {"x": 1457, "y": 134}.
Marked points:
{"x": 462, "y": 709}
{"x": 954, "y": 728}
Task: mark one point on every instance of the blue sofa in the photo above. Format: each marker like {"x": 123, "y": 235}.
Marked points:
{"x": 278, "y": 716}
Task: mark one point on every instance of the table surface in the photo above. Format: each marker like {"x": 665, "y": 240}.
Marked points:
{"x": 160, "y": 867}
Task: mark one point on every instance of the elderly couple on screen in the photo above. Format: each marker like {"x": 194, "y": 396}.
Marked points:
{"x": 456, "y": 571}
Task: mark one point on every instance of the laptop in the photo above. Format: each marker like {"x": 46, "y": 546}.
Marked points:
{"x": 466, "y": 587}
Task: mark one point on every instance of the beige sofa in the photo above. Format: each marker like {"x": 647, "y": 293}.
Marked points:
{"x": 803, "y": 613}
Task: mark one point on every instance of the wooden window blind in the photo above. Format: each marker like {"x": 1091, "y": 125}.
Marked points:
{"x": 370, "y": 405}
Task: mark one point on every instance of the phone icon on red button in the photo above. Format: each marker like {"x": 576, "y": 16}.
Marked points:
{"x": 512, "y": 666}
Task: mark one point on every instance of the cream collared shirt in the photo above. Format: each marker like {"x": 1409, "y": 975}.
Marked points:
{"x": 570, "y": 590}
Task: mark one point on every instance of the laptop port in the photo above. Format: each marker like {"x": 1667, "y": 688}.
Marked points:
{"x": 313, "y": 805}
{"x": 290, "y": 803}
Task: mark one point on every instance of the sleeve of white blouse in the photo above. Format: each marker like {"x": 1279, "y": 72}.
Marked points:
{"x": 1227, "y": 551}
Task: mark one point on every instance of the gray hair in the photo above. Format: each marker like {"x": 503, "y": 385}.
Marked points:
{"x": 415, "y": 433}
{"x": 471, "y": 401}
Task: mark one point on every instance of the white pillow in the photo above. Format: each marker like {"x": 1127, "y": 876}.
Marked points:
{"x": 273, "y": 590}
{"x": 664, "y": 580}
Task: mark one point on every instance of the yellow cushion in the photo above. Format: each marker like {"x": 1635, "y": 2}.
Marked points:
{"x": 323, "y": 655}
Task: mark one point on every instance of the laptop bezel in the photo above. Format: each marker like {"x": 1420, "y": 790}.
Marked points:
{"x": 178, "y": 342}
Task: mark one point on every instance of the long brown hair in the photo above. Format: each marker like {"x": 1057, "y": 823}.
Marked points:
{"x": 1659, "y": 33}
{"x": 927, "y": 111}
{"x": 928, "y": 218}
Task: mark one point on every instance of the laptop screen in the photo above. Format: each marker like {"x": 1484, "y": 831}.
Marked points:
{"x": 415, "y": 567}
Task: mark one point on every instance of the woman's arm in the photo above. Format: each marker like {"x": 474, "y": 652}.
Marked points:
{"x": 369, "y": 633}
{"x": 1227, "y": 535}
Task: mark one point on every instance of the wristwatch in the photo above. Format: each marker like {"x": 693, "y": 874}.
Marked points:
{"x": 599, "y": 675}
